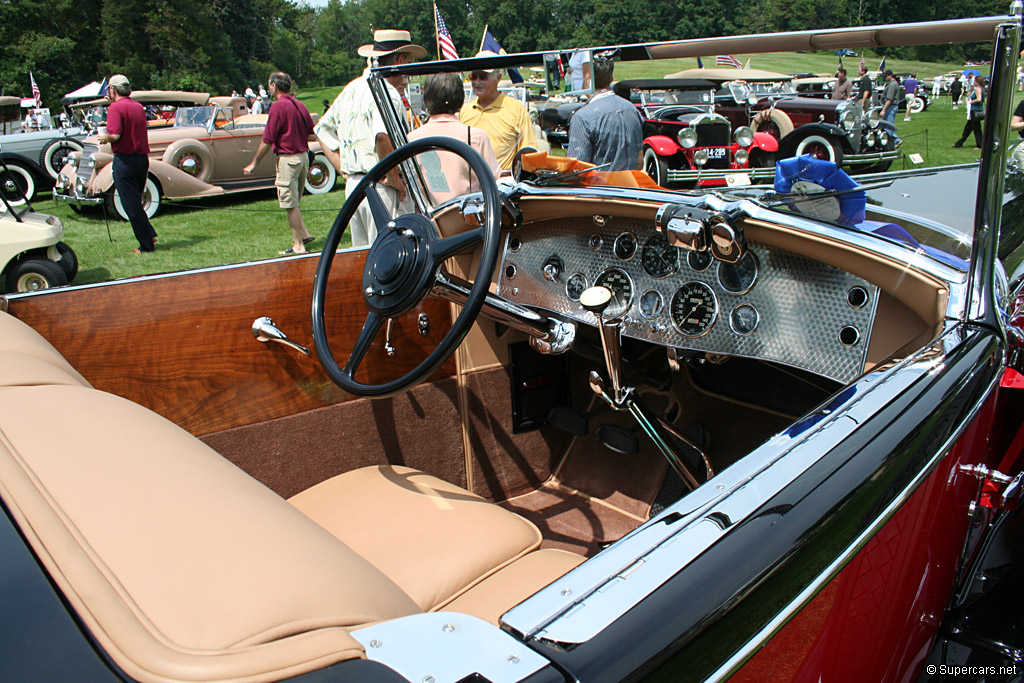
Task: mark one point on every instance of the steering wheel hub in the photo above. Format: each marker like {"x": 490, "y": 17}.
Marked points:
{"x": 390, "y": 259}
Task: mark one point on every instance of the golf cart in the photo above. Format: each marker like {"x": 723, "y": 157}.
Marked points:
{"x": 32, "y": 255}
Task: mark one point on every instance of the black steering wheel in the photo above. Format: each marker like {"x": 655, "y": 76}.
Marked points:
{"x": 402, "y": 266}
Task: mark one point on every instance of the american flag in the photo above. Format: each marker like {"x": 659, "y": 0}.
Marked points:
{"x": 444, "y": 39}
{"x": 728, "y": 60}
{"x": 35, "y": 89}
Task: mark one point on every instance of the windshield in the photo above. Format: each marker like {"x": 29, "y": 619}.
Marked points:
{"x": 193, "y": 116}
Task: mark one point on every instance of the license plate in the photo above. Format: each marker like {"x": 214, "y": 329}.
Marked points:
{"x": 717, "y": 152}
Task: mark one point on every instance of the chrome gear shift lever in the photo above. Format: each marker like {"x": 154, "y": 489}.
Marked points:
{"x": 596, "y": 300}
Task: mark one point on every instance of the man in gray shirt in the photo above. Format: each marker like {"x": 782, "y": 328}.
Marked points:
{"x": 608, "y": 128}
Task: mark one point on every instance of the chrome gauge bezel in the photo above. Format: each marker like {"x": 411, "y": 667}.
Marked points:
{"x": 619, "y": 239}
{"x": 569, "y": 280}
{"x": 699, "y": 254}
{"x": 610, "y": 312}
{"x": 660, "y": 308}
{"x": 714, "y": 313}
{"x": 643, "y": 261}
{"x": 732, "y": 319}
{"x": 753, "y": 280}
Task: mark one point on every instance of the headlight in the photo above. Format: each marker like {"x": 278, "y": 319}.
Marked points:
{"x": 753, "y": 99}
{"x": 687, "y": 137}
{"x": 743, "y": 136}
{"x": 79, "y": 186}
{"x": 873, "y": 117}
{"x": 741, "y": 157}
{"x": 74, "y": 159}
{"x": 870, "y": 138}
{"x": 62, "y": 182}
{"x": 700, "y": 157}
{"x": 883, "y": 137}
{"x": 849, "y": 120}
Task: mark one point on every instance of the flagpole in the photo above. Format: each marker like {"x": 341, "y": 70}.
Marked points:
{"x": 437, "y": 36}
{"x": 483, "y": 38}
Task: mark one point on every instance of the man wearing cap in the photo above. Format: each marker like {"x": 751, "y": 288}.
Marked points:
{"x": 128, "y": 136}
{"x": 353, "y": 135}
{"x": 288, "y": 128}
{"x": 506, "y": 121}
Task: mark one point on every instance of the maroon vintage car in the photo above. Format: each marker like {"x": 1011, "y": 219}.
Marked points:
{"x": 687, "y": 143}
{"x": 839, "y": 131}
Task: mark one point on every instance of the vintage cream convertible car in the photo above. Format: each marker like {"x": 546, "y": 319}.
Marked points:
{"x": 201, "y": 155}
{"x": 571, "y": 427}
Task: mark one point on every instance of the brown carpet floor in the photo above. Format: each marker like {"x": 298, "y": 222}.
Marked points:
{"x": 571, "y": 521}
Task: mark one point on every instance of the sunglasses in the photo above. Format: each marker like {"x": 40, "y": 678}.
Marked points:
{"x": 479, "y": 76}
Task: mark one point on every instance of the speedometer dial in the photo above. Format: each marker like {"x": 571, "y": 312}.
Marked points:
{"x": 660, "y": 259}
{"x": 621, "y": 288}
{"x": 693, "y": 309}
{"x": 738, "y": 278}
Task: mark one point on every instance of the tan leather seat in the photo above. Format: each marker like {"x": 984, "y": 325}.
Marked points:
{"x": 442, "y": 538}
{"x": 19, "y": 338}
{"x": 512, "y": 584}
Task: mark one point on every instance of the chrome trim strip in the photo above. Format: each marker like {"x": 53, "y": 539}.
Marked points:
{"x": 789, "y": 611}
{"x": 448, "y": 647}
{"x": 675, "y": 175}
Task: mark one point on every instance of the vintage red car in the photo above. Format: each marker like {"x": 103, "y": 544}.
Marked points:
{"x": 569, "y": 427}
{"x": 687, "y": 142}
{"x": 839, "y": 131}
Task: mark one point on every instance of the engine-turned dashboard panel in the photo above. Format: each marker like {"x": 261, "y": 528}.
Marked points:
{"x": 772, "y": 304}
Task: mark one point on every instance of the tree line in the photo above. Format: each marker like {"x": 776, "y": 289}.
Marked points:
{"x": 219, "y": 45}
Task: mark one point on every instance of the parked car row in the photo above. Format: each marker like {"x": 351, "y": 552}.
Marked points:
{"x": 202, "y": 154}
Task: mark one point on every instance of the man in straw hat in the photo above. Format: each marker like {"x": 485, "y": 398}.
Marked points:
{"x": 505, "y": 120}
{"x": 352, "y": 131}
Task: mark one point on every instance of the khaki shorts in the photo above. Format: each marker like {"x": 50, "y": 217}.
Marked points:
{"x": 291, "y": 179}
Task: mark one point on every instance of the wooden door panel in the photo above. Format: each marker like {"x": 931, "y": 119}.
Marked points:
{"x": 182, "y": 344}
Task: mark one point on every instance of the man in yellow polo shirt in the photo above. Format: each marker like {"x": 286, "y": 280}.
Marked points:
{"x": 505, "y": 120}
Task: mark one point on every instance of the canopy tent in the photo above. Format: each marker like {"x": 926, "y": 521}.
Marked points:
{"x": 89, "y": 91}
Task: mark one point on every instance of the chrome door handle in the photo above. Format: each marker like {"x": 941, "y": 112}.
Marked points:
{"x": 264, "y": 330}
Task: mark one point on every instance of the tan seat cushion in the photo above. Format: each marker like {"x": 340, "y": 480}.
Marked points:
{"x": 18, "y": 337}
{"x": 506, "y": 588}
{"x": 183, "y": 566}
{"x": 23, "y": 370}
{"x": 442, "y": 539}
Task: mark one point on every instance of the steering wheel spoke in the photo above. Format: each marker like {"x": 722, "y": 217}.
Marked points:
{"x": 401, "y": 266}
{"x": 449, "y": 246}
{"x": 381, "y": 215}
{"x": 366, "y": 336}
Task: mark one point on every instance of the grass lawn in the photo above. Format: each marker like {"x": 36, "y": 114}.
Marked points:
{"x": 250, "y": 226}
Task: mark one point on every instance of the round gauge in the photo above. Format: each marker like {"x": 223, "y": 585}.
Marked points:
{"x": 739, "y": 277}
{"x": 625, "y": 246}
{"x": 743, "y": 319}
{"x": 621, "y": 288}
{"x": 651, "y": 303}
{"x": 693, "y": 309}
{"x": 699, "y": 260}
{"x": 660, "y": 259}
{"x": 575, "y": 285}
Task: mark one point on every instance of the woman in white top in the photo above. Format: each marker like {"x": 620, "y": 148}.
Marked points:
{"x": 447, "y": 174}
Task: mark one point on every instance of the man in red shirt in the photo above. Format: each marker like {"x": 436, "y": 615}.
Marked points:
{"x": 289, "y": 126}
{"x": 128, "y": 137}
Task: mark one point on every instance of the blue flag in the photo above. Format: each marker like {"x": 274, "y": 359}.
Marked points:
{"x": 700, "y": 64}
{"x": 491, "y": 44}
{"x": 103, "y": 87}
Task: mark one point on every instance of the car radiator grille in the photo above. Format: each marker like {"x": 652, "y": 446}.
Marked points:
{"x": 715, "y": 135}
{"x": 87, "y": 163}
